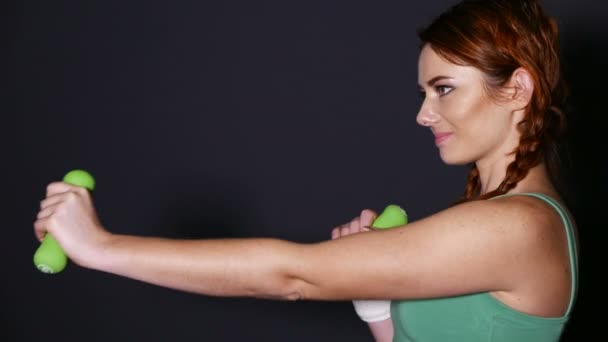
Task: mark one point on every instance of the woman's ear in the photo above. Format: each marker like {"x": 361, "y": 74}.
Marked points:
{"x": 522, "y": 86}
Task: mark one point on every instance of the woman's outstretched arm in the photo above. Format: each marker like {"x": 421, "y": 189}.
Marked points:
{"x": 453, "y": 252}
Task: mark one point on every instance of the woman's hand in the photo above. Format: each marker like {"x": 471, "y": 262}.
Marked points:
{"x": 68, "y": 214}
{"x": 359, "y": 224}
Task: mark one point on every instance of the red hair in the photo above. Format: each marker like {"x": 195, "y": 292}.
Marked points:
{"x": 498, "y": 37}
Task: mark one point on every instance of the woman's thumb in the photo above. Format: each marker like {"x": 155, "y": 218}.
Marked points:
{"x": 367, "y": 217}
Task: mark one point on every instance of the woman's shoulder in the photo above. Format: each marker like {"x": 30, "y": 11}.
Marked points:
{"x": 531, "y": 207}
{"x": 540, "y": 210}
{"x": 535, "y": 223}
{"x": 524, "y": 210}
{"x": 528, "y": 221}
{"x": 507, "y": 227}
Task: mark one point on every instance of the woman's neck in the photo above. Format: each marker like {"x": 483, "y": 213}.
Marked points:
{"x": 492, "y": 175}
{"x": 492, "y": 172}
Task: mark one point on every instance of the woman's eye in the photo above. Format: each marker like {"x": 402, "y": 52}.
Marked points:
{"x": 443, "y": 90}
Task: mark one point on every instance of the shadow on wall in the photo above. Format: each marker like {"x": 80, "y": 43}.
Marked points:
{"x": 584, "y": 59}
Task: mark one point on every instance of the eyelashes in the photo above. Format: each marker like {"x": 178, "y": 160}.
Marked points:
{"x": 440, "y": 90}
{"x": 443, "y": 90}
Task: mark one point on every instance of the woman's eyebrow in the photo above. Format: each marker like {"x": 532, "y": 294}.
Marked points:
{"x": 435, "y": 79}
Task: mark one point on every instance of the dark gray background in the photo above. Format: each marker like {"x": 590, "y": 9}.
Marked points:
{"x": 239, "y": 119}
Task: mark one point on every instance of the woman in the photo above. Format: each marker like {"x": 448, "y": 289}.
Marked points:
{"x": 490, "y": 75}
{"x": 499, "y": 265}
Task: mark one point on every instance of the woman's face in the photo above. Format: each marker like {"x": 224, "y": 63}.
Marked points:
{"x": 467, "y": 124}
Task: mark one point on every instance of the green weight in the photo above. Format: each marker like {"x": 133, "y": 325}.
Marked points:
{"x": 392, "y": 216}
{"x": 80, "y": 178}
{"x": 50, "y": 257}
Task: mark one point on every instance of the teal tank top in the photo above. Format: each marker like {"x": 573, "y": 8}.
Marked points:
{"x": 480, "y": 317}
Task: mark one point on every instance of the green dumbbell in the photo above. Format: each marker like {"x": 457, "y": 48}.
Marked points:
{"x": 392, "y": 216}
{"x": 49, "y": 257}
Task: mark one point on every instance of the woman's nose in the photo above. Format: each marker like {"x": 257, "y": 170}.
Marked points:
{"x": 426, "y": 115}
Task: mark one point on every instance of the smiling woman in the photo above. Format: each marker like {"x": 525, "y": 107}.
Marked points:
{"x": 467, "y": 123}
{"x": 498, "y": 265}
{"x": 507, "y": 52}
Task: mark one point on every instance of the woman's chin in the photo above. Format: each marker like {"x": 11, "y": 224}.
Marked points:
{"x": 452, "y": 159}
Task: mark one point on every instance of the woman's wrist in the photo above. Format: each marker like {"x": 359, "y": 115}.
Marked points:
{"x": 100, "y": 257}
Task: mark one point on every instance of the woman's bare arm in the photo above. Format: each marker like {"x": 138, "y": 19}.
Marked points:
{"x": 477, "y": 246}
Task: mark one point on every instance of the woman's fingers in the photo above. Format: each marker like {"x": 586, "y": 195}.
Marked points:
{"x": 354, "y": 226}
{"x": 40, "y": 227}
{"x": 335, "y": 233}
{"x": 359, "y": 224}
{"x": 50, "y": 201}
{"x": 367, "y": 218}
{"x": 46, "y": 212}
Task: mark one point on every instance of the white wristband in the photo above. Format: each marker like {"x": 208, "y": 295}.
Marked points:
{"x": 373, "y": 310}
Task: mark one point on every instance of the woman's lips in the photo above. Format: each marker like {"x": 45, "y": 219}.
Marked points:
{"x": 441, "y": 137}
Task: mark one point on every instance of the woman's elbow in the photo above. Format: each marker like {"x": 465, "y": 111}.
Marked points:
{"x": 294, "y": 289}
{"x": 284, "y": 289}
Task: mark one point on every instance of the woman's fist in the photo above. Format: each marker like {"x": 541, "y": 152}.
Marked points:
{"x": 68, "y": 214}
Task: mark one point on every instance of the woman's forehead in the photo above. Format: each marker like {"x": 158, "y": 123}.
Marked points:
{"x": 431, "y": 65}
